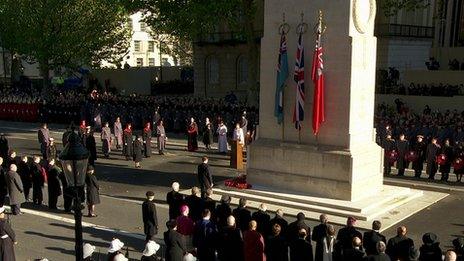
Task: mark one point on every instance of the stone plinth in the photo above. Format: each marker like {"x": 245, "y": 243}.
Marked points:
{"x": 343, "y": 161}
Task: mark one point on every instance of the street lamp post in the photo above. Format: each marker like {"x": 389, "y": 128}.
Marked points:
{"x": 74, "y": 159}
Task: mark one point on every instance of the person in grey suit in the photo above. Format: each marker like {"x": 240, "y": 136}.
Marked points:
{"x": 15, "y": 189}
{"x": 161, "y": 137}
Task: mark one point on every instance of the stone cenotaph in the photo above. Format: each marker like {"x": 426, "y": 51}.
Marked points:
{"x": 339, "y": 171}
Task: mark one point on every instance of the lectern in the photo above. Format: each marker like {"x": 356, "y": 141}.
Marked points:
{"x": 236, "y": 158}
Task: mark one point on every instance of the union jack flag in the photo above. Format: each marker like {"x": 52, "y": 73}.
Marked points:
{"x": 298, "y": 112}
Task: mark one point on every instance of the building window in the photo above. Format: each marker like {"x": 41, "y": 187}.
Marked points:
{"x": 151, "y": 46}
{"x": 137, "y": 46}
{"x": 212, "y": 68}
{"x": 151, "y": 61}
{"x": 242, "y": 70}
{"x": 139, "y": 62}
{"x": 143, "y": 27}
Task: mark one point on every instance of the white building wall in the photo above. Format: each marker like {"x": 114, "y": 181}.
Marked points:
{"x": 403, "y": 54}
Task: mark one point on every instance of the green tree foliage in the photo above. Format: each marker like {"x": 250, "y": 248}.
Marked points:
{"x": 392, "y": 7}
{"x": 65, "y": 33}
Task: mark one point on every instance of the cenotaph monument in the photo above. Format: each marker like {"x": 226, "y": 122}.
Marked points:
{"x": 339, "y": 171}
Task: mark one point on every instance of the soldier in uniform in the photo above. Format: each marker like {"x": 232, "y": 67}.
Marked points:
{"x": 402, "y": 145}
{"x": 445, "y": 168}
{"x": 389, "y": 145}
{"x": 419, "y": 148}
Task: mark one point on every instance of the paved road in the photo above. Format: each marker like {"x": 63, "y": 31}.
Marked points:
{"x": 42, "y": 233}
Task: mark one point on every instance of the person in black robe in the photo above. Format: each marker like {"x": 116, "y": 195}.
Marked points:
{"x": 138, "y": 155}
{"x": 389, "y": 145}
{"x": 4, "y": 147}
{"x": 8, "y": 238}
{"x": 432, "y": 151}
{"x": 91, "y": 146}
{"x": 38, "y": 181}
{"x": 294, "y": 228}
{"x": 398, "y": 247}
{"x": 54, "y": 187}
{"x": 127, "y": 149}
{"x": 318, "y": 235}
{"x": 204, "y": 176}
{"x": 93, "y": 194}
{"x": 175, "y": 246}
{"x": 146, "y": 136}
{"x": 301, "y": 249}
{"x": 230, "y": 241}
{"x": 402, "y": 146}
{"x": 150, "y": 219}
{"x": 263, "y": 219}
{"x": 371, "y": 238}
{"x": 25, "y": 173}
{"x": 420, "y": 149}
{"x": 174, "y": 200}
{"x": 208, "y": 134}
{"x": 276, "y": 247}
{"x": 445, "y": 168}
{"x": 242, "y": 215}
{"x": 192, "y": 134}
{"x": 223, "y": 211}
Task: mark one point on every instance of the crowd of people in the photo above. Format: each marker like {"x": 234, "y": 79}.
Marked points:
{"x": 429, "y": 138}
{"x": 417, "y": 89}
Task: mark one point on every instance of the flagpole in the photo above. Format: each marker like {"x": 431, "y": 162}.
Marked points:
{"x": 283, "y": 112}
{"x": 283, "y": 30}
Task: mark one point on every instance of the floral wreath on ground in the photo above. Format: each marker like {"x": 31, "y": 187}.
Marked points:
{"x": 238, "y": 182}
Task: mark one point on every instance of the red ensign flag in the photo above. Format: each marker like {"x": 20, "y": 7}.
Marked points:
{"x": 318, "y": 79}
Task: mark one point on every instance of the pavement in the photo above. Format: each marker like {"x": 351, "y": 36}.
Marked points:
{"x": 44, "y": 233}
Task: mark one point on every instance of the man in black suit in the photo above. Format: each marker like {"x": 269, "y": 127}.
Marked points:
{"x": 242, "y": 215}
{"x": 209, "y": 203}
{"x": 431, "y": 157}
{"x": 204, "y": 176}
{"x": 345, "y": 235}
{"x": 294, "y": 228}
{"x": 399, "y": 246}
{"x": 194, "y": 203}
{"x": 175, "y": 246}
{"x": 319, "y": 233}
{"x": 300, "y": 248}
{"x": 371, "y": 238}
{"x": 150, "y": 220}
{"x": 279, "y": 219}
{"x": 402, "y": 146}
{"x": 174, "y": 200}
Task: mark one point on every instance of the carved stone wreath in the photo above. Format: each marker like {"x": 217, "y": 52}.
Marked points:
{"x": 361, "y": 23}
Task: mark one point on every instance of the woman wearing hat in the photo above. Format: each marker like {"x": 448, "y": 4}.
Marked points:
{"x": 115, "y": 249}
{"x": 93, "y": 196}
{"x": 7, "y": 238}
{"x": 138, "y": 147}
{"x": 149, "y": 254}
{"x": 88, "y": 250}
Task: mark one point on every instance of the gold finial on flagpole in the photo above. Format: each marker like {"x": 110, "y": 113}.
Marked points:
{"x": 302, "y": 26}
{"x": 284, "y": 28}
{"x": 320, "y": 28}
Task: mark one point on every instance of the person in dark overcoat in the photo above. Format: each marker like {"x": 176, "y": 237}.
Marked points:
{"x": 15, "y": 189}
{"x": 276, "y": 246}
{"x": 208, "y": 134}
{"x": 44, "y": 140}
{"x": 146, "y": 136}
{"x": 91, "y": 146}
{"x": 389, "y": 145}
{"x": 371, "y": 238}
{"x": 150, "y": 219}
{"x": 420, "y": 149}
{"x": 205, "y": 237}
{"x": 230, "y": 242}
{"x": 93, "y": 194}
{"x": 25, "y": 173}
{"x": 445, "y": 168}
{"x": 318, "y": 235}
{"x": 175, "y": 246}
{"x": 194, "y": 203}
{"x": 402, "y": 146}
{"x": 279, "y": 219}
{"x": 242, "y": 215}
{"x": 398, "y": 247}
{"x": 174, "y": 199}
{"x": 354, "y": 253}
{"x": 137, "y": 156}
{"x": 127, "y": 149}
{"x": 209, "y": 203}
{"x": 204, "y": 176}
{"x": 38, "y": 181}
{"x": 301, "y": 249}
{"x": 223, "y": 211}
{"x": 8, "y": 238}
{"x": 68, "y": 193}
{"x": 431, "y": 155}
{"x": 430, "y": 249}
{"x": 294, "y": 227}
{"x": 346, "y": 234}
{"x": 54, "y": 187}
{"x": 3, "y": 187}
{"x": 262, "y": 218}
{"x": 459, "y": 157}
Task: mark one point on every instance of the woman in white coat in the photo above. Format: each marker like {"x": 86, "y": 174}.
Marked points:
{"x": 222, "y": 140}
